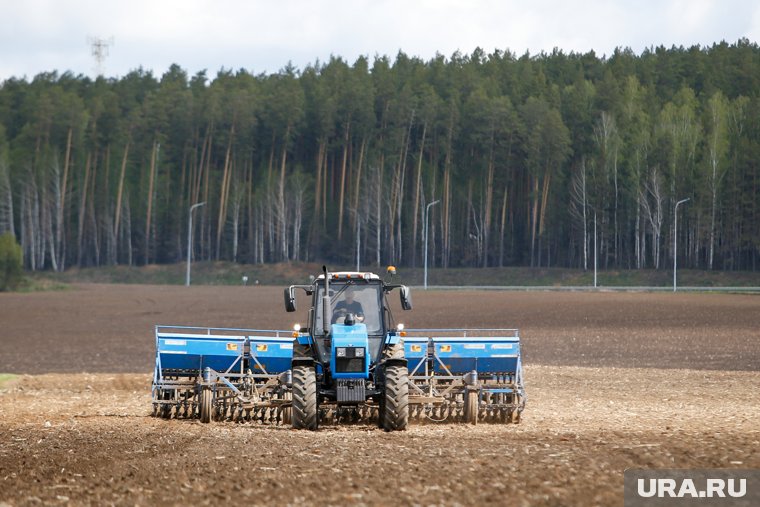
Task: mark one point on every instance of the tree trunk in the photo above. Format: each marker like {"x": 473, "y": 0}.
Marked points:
{"x": 379, "y": 212}
{"x": 235, "y": 226}
{"x": 128, "y": 227}
{"x": 343, "y": 179}
{"x": 637, "y": 234}
{"x": 544, "y": 201}
{"x": 615, "y": 209}
{"x": 358, "y": 183}
{"x": 446, "y": 211}
{"x": 60, "y": 225}
{"x": 502, "y": 228}
{"x": 224, "y": 194}
{"x": 82, "y": 209}
{"x": 119, "y": 194}
{"x": 250, "y": 210}
{"x": 534, "y": 220}
{"x": 149, "y": 214}
{"x": 416, "y": 210}
{"x": 205, "y": 236}
{"x": 91, "y": 210}
{"x": 282, "y": 219}
{"x": 318, "y": 191}
{"x": 488, "y": 205}
{"x": 714, "y": 205}
{"x": 6, "y": 200}
{"x": 50, "y": 209}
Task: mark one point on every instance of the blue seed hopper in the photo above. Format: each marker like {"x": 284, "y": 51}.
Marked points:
{"x": 466, "y": 374}
{"x": 214, "y": 373}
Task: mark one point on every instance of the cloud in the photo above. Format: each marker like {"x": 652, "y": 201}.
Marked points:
{"x": 260, "y": 35}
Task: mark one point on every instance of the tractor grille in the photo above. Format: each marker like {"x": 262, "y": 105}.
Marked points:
{"x": 353, "y": 365}
{"x": 350, "y": 391}
{"x": 349, "y": 359}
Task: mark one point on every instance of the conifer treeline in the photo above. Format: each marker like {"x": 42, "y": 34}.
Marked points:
{"x": 527, "y": 155}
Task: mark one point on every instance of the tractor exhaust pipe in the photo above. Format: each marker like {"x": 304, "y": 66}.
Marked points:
{"x": 326, "y": 310}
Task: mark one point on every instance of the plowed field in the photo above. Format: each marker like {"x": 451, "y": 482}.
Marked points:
{"x": 613, "y": 380}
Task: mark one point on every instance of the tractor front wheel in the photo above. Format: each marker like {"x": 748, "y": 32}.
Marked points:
{"x": 304, "y": 406}
{"x": 395, "y": 404}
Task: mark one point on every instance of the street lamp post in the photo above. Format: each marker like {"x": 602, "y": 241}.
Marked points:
{"x": 190, "y": 241}
{"x": 595, "y": 262}
{"x": 675, "y": 242}
{"x": 427, "y": 213}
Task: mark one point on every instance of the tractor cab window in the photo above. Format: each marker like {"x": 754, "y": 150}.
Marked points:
{"x": 361, "y": 299}
{"x": 347, "y": 303}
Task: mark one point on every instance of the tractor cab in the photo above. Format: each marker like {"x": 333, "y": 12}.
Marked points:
{"x": 356, "y": 306}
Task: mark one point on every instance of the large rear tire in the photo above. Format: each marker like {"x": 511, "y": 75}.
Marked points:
{"x": 304, "y": 407}
{"x": 394, "y": 351}
{"x": 395, "y": 406}
{"x": 205, "y": 404}
{"x": 471, "y": 407}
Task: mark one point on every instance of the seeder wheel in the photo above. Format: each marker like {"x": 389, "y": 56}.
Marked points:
{"x": 514, "y": 417}
{"x": 165, "y": 411}
{"x": 471, "y": 407}
{"x": 205, "y": 404}
{"x": 286, "y": 412}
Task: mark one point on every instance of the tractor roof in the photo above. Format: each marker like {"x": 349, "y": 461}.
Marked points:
{"x": 350, "y": 275}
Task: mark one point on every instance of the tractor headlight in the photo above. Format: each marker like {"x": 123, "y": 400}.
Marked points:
{"x": 340, "y": 352}
{"x": 359, "y": 352}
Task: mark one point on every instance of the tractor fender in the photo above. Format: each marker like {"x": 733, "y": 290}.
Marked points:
{"x": 302, "y": 361}
{"x": 395, "y": 362}
{"x": 392, "y": 339}
{"x": 302, "y": 354}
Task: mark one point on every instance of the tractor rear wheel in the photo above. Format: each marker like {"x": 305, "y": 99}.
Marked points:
{"x": 394, "y": 351}
{"x": 471, "y": 407}
{"x": 205, "y": 404}
{"x": 395, "y": 405}
{"x": 304, "y": 408}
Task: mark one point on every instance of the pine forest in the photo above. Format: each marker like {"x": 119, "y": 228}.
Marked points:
{"x": 531, "y": 160}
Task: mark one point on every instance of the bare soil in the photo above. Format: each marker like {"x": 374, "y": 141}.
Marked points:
{"x": 614, "y": 381}
{"x": 109, "y": 328}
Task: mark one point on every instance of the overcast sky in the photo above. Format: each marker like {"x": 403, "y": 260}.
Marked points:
{"x": 262, "y": 36}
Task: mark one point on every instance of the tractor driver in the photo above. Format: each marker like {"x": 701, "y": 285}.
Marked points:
{"x": 348, "y": 305}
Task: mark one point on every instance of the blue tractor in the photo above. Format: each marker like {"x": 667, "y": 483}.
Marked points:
{"x": 349, "y": 361}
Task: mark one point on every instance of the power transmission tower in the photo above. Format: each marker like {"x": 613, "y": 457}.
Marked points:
{"x": 99, "y": 50}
